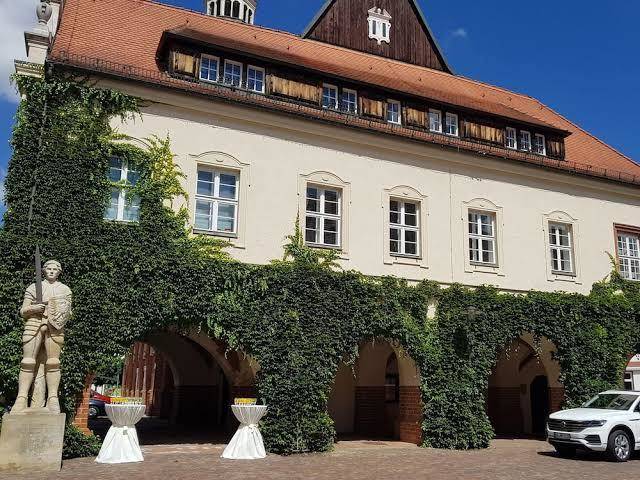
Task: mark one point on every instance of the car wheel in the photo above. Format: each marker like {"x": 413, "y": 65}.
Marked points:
{"x": 619, "y": 446}
{"x": 93, "y": 412}
{"x": 566, "y": 452}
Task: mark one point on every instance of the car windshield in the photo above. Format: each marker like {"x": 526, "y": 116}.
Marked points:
{"x": 612, "y": 401}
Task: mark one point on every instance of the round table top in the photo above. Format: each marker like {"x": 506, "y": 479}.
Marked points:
{"x": 124, "y": 415}
{"x": 249, "y": 414}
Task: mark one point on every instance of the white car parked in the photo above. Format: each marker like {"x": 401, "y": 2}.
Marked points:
{"x": 609, "y": 422}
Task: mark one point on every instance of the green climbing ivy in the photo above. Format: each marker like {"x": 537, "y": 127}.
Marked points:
{"x": 298, "y": 317}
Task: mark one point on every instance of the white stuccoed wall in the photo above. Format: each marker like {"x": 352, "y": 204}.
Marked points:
{"x": 279, "y": 149}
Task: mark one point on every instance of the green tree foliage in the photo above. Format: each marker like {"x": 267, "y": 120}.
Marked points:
{"x": 298, "y": 317}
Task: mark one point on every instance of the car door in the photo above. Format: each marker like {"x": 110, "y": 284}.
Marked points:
{"x": 634, "y": 423}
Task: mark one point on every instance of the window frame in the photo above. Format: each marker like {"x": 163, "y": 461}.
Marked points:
{"x": 480, "y": 237}
{"x": 336, "y": 90}
{"x": 215, "y": 200}
{"x": 123, "y": 186}
{"x": 537, "y": 137}
{"x": 439, "y": 113}
{"x": 322, "y": 216}
{"x": 515, "y": 138}
{"x": 558, "y": 248}
{"x": 449, "y": 115}
{"x": 399, "y": 104}
{"x": 562, "y": 218}
{"x": 222, "y": 161}
{"x": 355, "y": 102}
{"x": 628, "y": 231}
{"x": 405, "y": 193}
{"x": 224, "y": 73}
{"x": 521, "y": 141}
{"x": 330, "y": 181}
{"x": 264, "y": 78}
{"x": 402, "y": 228}
{"x": 483, "y": 205}
{"x": 209, "y": 57}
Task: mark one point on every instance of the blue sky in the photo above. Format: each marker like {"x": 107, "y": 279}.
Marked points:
{"x": 579, "y": 57}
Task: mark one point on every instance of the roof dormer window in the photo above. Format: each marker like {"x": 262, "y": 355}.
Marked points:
{"x": 379, "y": 25}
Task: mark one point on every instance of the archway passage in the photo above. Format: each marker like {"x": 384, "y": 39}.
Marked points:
{"x": 188, "y": 384}
{"x": 379, "y": 397}
{"x": 524, "y": 389}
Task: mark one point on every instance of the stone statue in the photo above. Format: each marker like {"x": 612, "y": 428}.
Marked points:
{"x": 43, "y": 339}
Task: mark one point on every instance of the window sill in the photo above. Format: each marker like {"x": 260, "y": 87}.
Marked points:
{"x": 231, "y": 236}
{"x": 490, "y": 268}
{"x": 322, "y": 246}
{"x": 405, "y": 256}
{"x": 564, "y": 274}
{"x": 122, "y": 222}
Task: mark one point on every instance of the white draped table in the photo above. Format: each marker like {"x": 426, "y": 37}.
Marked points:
{"x": 247, "y": 443}
{"x": 121, "y": 443}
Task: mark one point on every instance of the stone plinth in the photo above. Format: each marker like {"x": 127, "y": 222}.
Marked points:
{"x": 32, "y": 442}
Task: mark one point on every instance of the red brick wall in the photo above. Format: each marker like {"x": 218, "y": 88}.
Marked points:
{"x": 556, "y": 398}
{"x": 504, "y": 410}
{"x": 411, "y": 415}
{"x": 370, "y": 411}
{"x": 81, "y": 419}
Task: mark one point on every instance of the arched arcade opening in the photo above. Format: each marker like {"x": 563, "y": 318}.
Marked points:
{"x": 378, "y": 397}
{"x": 524, "y": 388}
{"x": 188, "y": 383}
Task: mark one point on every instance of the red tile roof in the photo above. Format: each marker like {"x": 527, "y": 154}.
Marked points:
{"x": 124, "y": 35}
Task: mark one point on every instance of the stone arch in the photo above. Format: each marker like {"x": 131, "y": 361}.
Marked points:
{"x": 524, "y": 387}
{"x": 364, "y": 402}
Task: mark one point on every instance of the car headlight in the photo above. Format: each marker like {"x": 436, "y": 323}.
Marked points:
{"x": 594, "y": 423}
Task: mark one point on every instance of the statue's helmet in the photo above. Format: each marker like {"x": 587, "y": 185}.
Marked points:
{"x": 55, "y": 263}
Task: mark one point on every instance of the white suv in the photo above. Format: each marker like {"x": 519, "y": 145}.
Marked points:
{"x": 608, "y": 422}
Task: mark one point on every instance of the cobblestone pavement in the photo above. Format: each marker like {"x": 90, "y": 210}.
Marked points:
{"x": 370, "y": 460}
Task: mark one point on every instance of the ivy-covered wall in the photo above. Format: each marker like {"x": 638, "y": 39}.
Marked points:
{"x": 299, "y": 318}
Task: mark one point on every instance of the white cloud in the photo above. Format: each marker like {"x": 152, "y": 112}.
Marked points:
{"x": 16, "y": 16}
{"x": 460, "y": 33}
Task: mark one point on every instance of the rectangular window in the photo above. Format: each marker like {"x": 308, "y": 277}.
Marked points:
{"x": 561, "y": 245}
{"x": 349, "y": 101}
{"x": 435, "y": 121}
{"x": 404, "y": 228}
{"x": 232, "y": 73}
{"x": 629, "y": 255}
{"x": 451, "y": 124}
{"x": 209, "y": 68}
{"x": 511, "y": 138}
{"x": 122, "y": 207}
{"x": 628, "y": 380}
{"x": 323, "y": 216}
{"x": 540, "y": 145}
{"x": 330, "y": 96}
{"x": 482, "y": 238}
{"x": 525, "y": 141}
{"x": 393, "y": 112}
{"x": 255, "y": 79}
{"x": 217, "y": 201}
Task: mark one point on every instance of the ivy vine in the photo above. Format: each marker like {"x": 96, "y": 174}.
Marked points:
{"x": 299, "y": 317}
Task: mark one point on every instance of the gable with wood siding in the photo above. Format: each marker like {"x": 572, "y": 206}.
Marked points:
{"x": 344, "y": 23}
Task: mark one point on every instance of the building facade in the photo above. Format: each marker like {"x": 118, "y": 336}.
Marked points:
{"x": 360, "y": 129}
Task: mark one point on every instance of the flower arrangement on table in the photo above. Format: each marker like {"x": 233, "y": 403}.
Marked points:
{"x": 245, "y": 401}
{"x": 127, "y": 401}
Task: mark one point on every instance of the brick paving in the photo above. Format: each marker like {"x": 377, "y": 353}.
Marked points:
{"x": 370, "y": 460}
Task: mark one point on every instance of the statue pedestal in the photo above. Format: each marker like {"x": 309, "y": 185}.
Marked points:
{"x": 32, "y": 442}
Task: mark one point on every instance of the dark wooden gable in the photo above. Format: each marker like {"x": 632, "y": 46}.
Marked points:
{"x": 344, "y": 23}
